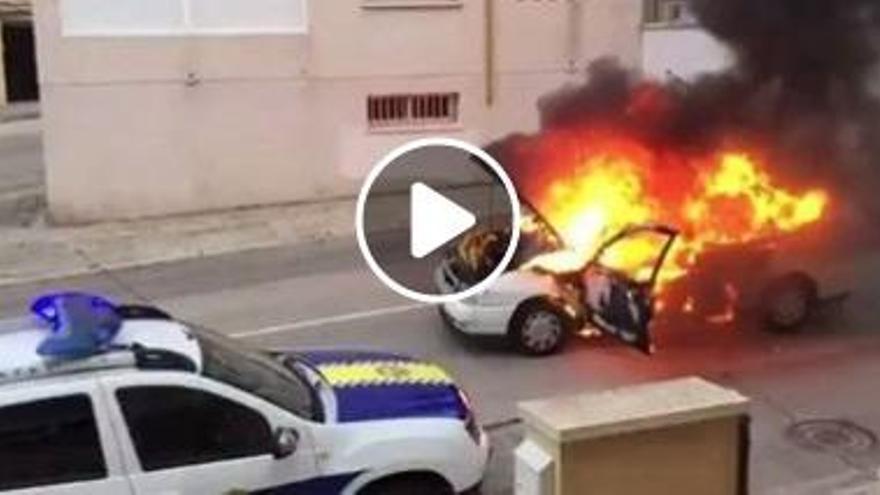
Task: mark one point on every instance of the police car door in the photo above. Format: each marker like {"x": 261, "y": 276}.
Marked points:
{"x": 56, "y": 439}
{"x": 190, "y": 435}
{"x": 618, "y": 284}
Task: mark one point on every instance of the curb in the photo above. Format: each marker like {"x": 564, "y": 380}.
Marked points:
{"x": 5, "y": 119}
{"x": 37, "y": 256}
{"x": 97, "y": 268}
{"x": 83, "y": 259}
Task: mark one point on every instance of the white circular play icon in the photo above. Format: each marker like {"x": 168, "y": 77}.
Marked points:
{"x": 437, "y": 220}
{"x": 434, "y": 220}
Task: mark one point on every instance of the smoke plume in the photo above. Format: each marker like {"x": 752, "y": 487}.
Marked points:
{"x": 814, "y": 63}
{"x": 804, "y": 86}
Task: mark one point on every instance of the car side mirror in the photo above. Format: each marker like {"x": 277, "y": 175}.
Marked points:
{"x": 284, "y": 442}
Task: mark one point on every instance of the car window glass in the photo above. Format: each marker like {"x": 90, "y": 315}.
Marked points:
{"x": 177, "y": 426}
{"x": 635, "y": 255}
{"x": 49, "y": 442}
{"x": 258, "y": 373}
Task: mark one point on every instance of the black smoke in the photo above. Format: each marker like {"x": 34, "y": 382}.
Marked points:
{"x": 805, "y": 83}
{"x": 820, "y": 52}
{"x": 675, "y": 114}
{"x": 806, "y": 78}
{"x": 806, "y": 74}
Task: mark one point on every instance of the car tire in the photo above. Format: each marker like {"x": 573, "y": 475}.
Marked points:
{"x": 788, "y": 302}
{"x": 427, "y": 484}
{"x": 539, "y": 328}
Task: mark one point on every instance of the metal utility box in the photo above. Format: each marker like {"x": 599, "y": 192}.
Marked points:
{"x": 674, "y": 437}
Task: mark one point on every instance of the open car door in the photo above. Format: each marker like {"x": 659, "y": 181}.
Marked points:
{"x": 618, "y": 284}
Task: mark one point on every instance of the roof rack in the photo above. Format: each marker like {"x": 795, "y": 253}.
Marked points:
{"x": 115, "y": 359}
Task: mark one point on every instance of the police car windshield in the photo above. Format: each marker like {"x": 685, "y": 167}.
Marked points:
{"x": 258, "y": 373}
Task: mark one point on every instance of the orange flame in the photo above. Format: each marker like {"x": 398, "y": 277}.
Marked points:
{"x": 608, "y": 182}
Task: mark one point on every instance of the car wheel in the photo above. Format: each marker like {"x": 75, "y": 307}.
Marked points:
{"x": 789, "y": 302}
{"x": 408, "y": 485}
{"x": 538, "y": 328}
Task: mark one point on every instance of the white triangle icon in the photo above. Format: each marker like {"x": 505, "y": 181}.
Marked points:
{"x": 434, "y": 220}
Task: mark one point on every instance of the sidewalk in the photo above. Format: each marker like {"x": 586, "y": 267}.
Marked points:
{"x": 40, "y": 252}
{"x": 29, "y": 254}
{"x": 20, "y": 111}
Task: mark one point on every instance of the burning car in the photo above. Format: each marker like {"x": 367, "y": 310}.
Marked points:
{"x": 538, "y": 309}
{"x": 783, "y": 282}
{"x": 593, "y": 256}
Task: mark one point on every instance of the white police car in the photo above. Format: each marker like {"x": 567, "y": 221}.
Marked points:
{"x": 103, "y": 399}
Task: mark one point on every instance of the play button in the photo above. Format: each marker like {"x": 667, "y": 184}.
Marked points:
{"x": 434, "y": 220}
{"x": 437, "y": 219}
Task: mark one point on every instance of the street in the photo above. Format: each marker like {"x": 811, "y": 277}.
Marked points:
{"x": 323, "y": 295}
{"x": 242, "y": 165}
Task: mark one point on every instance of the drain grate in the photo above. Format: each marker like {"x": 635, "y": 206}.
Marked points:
{"x": 836, "y": 436}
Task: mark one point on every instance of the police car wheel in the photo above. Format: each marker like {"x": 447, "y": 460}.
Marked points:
{"x": 423, "y": 484}
{"x": 538, "y": 328}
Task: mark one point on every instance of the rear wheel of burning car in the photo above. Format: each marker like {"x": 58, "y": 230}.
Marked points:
{"x": 789, "y": 301}
{"x": 539, "y": 328}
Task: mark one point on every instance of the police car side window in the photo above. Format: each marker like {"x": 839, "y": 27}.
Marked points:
{"x": 49, "y": 442}
{"x": 177, "y": 426}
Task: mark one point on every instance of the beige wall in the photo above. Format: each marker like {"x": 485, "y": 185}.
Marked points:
{"x": 282, "y": 118}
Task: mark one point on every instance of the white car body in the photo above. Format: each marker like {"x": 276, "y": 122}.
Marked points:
{"x": 555, "y": 305}
{"x": 489, "y": 313}
{"x": 334, "y": 455}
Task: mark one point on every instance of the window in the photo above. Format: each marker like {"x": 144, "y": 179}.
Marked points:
{"x": 412, "y": 110}
{"x": 91, "y": 16}
{"x": 176, "y": 17}
{"x": 273, "y": 378}
{"x": 49, "y": 442}
{"x": 253, "y": 16}
{"x": 176, "y": 426}
{"x": 671, "y": 12}
{"x": 411, "y": 4}
{"x": 636, "y": 255}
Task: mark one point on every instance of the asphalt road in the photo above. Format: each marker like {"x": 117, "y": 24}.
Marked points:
{"x": 323, "y": 295}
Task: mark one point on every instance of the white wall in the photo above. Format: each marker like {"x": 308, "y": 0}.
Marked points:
{"x": 685, "y": 52}
{"x": 281, "y": 117}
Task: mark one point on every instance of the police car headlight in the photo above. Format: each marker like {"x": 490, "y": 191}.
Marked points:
{"x": 471, "y": 425}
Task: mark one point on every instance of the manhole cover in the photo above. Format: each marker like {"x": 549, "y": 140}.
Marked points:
{"x": 832, "y": 435}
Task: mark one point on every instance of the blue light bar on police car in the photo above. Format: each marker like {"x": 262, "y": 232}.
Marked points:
{"x": 80, "y": 324}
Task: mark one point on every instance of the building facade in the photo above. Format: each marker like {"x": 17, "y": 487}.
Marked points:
{"x": 154, "y": 107}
